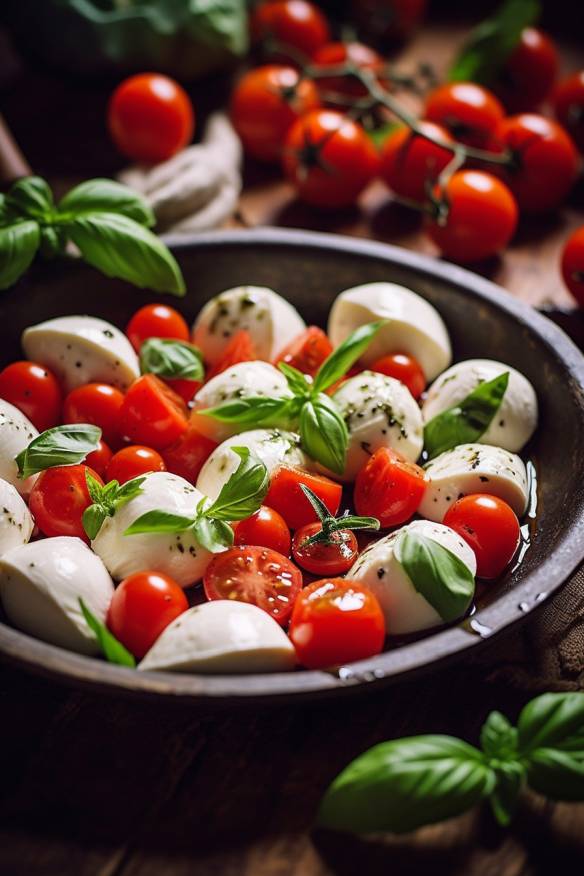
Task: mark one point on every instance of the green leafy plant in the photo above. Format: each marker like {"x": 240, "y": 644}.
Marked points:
{"x": 331, "y": 524}
{"x": 106, "y": 500}
{"x": 112, "y": 650}
{"x": 168, "y": 358}
{"x": 61, "y": 445}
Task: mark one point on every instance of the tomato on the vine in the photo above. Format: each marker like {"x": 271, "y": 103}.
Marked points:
{"x": 294, "y": 24}
{"x": 410, "y": 164}
{"x": 389, "y": 487}
{"x": 529, "y": 73}
{"x": 568, "y": 100}
{"x": 58, "y": 499}
{"x": 333, "y": 557}
{"x": 490, "y": 527}
{"x": 99, "y": 459}
{"x": 573, "y": 265}
{"x": 96, "y": 403}
{"x": 404, "y": 368}
{"x": 388, "y": 19}
{"x": 133, "y": 461}
{"x": 34, "y": 391}
{"x": 308, "y": 351}
{"x": 336, "y": 54}
{"x": 156, "y": 321}
{"x": 467, "y": 110}
{"x": 152, "y": 413}
{"x": 266, "y": 528}
{"x": 286, "y": 496}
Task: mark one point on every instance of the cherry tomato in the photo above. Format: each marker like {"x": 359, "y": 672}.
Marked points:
{"x": 335, "y": 54}
{"x": 293, "y": 23}
{"x": 238, "y": 349}
{"x": 188, "y": 454}
{"x": 569, "y": 107}
{"x": 325, "y": 558}
{"x": 286, "y": 497}
{"x": 99, "y": 459}
{"x": 187, "y": 389}
{"x": 96, "y": 403}
{"x": 490, "y": 527}
{"x": 132, "y": 462}
{"x": 410, "y": 164}
{"x": 389, "y": 487}
{"x": 308, "y": 351}
{"x": 388, "y": 19}
{"x": 156, "y": 321}
{"x": 58, "y": 499}
{"x": 404, "y": 368}
{"x": 481, "y": 219}
{"x": 467, "y": 110}
{"x": 529, "y": 73}
{"x": 336, "y": 621}
{"x": 142, "y": 606}
{"x": 329, "y": 159}
{"x": 150, "y": 117}
{"x": 266, "y": 528}
{"x": 573, "y": 265}
{"x": 34, "y": 391}
{"x": 152, "y": 413}
{"x": 257, "y": 575}
{"x": 265, "y": 104}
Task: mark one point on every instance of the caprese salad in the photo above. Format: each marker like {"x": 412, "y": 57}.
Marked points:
{"x": 250, "y": 494}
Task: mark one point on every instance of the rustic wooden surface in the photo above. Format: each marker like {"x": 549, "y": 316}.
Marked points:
{"x": 99, "y": 786}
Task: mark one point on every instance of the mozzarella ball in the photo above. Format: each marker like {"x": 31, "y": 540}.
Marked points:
{"x": 379, "y": 412}
{"x": 40, "y": 587}
{"x": 220, "y": 637}
{"x": 179, "y": 555}
{"x": 16, "y": 523}
{"x": 16, "y": 433}
{"x": 405, "y": 609}
{"x": 271, "y": 321}
{"x": 474, "y": 468}
{"x": 82, "y": 349}
{"x": 413, "y": 327}
{"x": 515, "y": 421}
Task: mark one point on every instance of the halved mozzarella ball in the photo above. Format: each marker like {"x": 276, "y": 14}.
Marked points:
{"x": 16, "y": 523}
{"x": 179, "y": 555}
{"x": 82, "y": 349}
{"x": 474, "y": 468}
{"x": 405, "y": 609}
{"x": 219, "y": 637}
{"x": 16, "y": 433}
{"x": 240, "y": 381}
{"x": 515, "y": 421}
{"x": 40, "y": 587}
{"x": 414, "y": 325}
{"x": 273, "y": 446}
{"x": 271, "y": 321}
{"x": 379, "y": 412}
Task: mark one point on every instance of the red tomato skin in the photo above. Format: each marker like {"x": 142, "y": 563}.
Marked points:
{"x": 156, "y": 321}
{"x": 294, "y": 23}
{"x": 528, "y": 76}
{"x": 99, "y": 404}
{"x": 572, "y": 265}
{"x": 188, "y": 454}
{"x": 99, "y": 459}
{"x": 490, "y": 527}
{"x": 238, "y": 349}
{"x": 132, "y": 462}
{"x": 336, "y": 621}
{"x": 410, "y": 163}
{"x": 266, "y": 528}
{"x": 389, "y": 20}
{"x": 150, "y": 117}
{"x": 286, "y": 497}
{"x": 335, "y": 54}
{"x": 58, "y": 499}
{"x": 329, "y": 559}
{"x": 152, "y": 414}
{"x": 142, "y": 606}
{"x": 389, "y": 487}
{"x": 33, "y": 390}
{"x": 187, "y": 389}
{"x": 568, "y": 101}
{"x": 469, "y": 112}
{"x": 307, "y": 352}
{"x": 404, "y": 368}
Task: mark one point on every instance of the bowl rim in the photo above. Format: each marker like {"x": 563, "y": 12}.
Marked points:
{"x": 373, "y": 673}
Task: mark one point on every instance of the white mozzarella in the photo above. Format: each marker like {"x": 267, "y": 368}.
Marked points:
{"x": 405, "y": 609}
{"x": 82, "y": 349}
{"x": 273, "y": 446}
{"x": 515, "y": 421}
{"x": 379, "y": 412}
{"x": 241, "y": 381}
{"x": 414, "y": 326}
{"x": 474, "y": 468}
{"x": 16, "y": 523}
{"x": 221, "y": 637}
{"x": 40, "y": 587}
{"x": 271, "y": 321}
{"x": 178, "y": 555}
{"x": 16, "y": 433}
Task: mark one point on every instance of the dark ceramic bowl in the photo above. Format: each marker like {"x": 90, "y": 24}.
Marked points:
{"x": 310, "y": 270}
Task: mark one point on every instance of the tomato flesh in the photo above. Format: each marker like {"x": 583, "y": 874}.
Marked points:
{"x": 96, "y": 403}
{"x": 265, "y": 528}
{"x": 152, "y": 414}
{"x": 404, "y": 368}
{"x": 156, "y": 321}
{"x": 58, "y": 499}
{"x": 286, "y": 496}
{"x": 490, "y": 527}
{"x": 334, "y": 557}
{"x": 240, "y": 348}
{"x": 307, "y": 352}
{"x": 188, "y": 454}
{"x": 132, "y": 462}
{"x": 33, "y": 390}
{"x": 389, "y": 487}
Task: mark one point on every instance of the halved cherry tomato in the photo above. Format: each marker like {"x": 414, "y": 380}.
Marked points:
{"x": 568, "y": 102}
{"x": 308, "y": 351}
{"x": 335, "y": 621}
{"x": 294, "y": 23}
{"x": 187, "y": 389}
{"x": 34, "y": 391}
{"x": 257, "y": 575}
{"x": 96, "y": 403}
{"x": 133, "y": 461}
{"x": 238, "y": 349}
{"x": 405, "y": 369}
{"x": 58, "y": 499}
{"x": 573, "y": 265}
{"x": 468, "y": 111}
{"x": 334, "y": 557}
{"x": 490, "y": 527}
{"x": 266, "y": 528}
{"x": 288, "y": 499}
{"x": 142, "y": 606}
{"x": 389, "y": 487}
{"x": 528, "y": 74}
{"x": 152, "y": 413}
{"x": 99, "y": 459}
{"x": 156, "y": 321}
{"x": 410, "y": 164}
{"x": 336, "y": 54}
{"x": 188, "y": 454}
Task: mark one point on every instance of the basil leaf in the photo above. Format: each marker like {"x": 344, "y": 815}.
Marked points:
{"x": 106, "y": 196}
{"x": 503, "y": 799}
{"x": 296, "y": 380}
{"x": 552, "y": 720}
{"x": 18, "y": 246}
{"x": 62, "y": 445}
{"x": 169, "y": 358}
{"x": 53, "y": 241}
{"x": 106, "y": 500}
{"x": 120, "y": 247}
{"x": 31, "y": 197}
{"x": 113, "y": 651}
{"x": 94, "y": 488}
{"x": 340, "y": 360}
{"x": 127, "y": 491}
{"x": 250, "y": 411}
{"x": 467, "y": 421}
{"x": 92, "y": 520}
{"x": 214, "y": 535}
{"x": 323, "y": 433}
{"x": 245, "y": 490}
{"x": 499, "y": 737}
{"x": 159, "y": 522}
{"x": 556, "y": 773}
{"x": 436, "y": 573}
{"x": 404, "y": 784}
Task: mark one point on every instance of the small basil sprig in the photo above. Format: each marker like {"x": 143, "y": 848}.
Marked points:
{"x": 112, "y": 650}
{"x": 331, "y": 524}
{"x": 169, "y": 358}
{"x": 404, "y": 784}
{"x": 62, "y": 445}
{"x": 465, "y": 422}
{"x": 106, "y": 500}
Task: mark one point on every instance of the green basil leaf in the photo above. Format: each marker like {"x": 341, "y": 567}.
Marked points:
{"x": 214, "y": 535}
{"x": 120, "y": 247}
{"x": 245, "y": 490}
{"x": 106, "y": 196}
{"x": 404, "y": 784}
{"x": 557, "y": 774}
{"x": 251, "y": 411}
{"x": 53, "y": 241}
{"x": 159, "y": 522}
{"x": 18, "y": 246}
{"x": 62, "y": 445}
{"x": 553, "y": 720}
{"x": 127, "y": 491}
{"x": 499, "y": 737}
{"x": 503, "y": 799}
{"x": 113, "y": 651}
{"x": 436, "y": 573}
{"x": 297, "y": 382}
{"x": 323, "y": 433}
{"x": 467, "y": 421}
{"x": 169, "y": 358}
{"x": 106, "y": 500}
{"x": 92, "y": 520}
{"x": 320, "y": 509}
{"x": 340, "y": 360}
{"x": 94, "y": 488}
{"x": 31, "y": 197}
